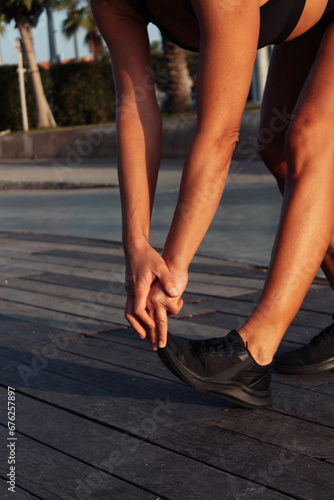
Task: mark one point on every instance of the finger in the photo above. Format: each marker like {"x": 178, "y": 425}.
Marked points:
{"x": 173, "y": 311}
{"x": 168, "y": 283}
{"x": 131, "y": 318}
{"x": 172, "y": 306}
{"x": 161, "y": 326}
{"x": 151, "y": 332}
{"x": 139, "y": 309}
{"x": 179, "y": 305}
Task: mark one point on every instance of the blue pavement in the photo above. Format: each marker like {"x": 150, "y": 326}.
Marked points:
{"x": 44, "y": 197}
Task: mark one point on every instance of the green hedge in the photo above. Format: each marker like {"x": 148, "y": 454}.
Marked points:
{"x": 10, "y": 109}
{"x": 79, "y": 93}
{"x": 83, "y": 93}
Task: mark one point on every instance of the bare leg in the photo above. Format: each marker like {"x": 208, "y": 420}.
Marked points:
{"x": 290, "y": 67}
{"x": 307, "y": 221}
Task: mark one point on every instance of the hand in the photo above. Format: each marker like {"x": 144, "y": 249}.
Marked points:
{"x": 144, "y": 266}
{"x": 160, "y": 304}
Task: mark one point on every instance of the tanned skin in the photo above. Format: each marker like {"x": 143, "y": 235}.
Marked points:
{"x": 301, "y": 156}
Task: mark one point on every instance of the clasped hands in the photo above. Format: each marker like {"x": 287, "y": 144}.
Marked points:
{"x": 154, "y": 291}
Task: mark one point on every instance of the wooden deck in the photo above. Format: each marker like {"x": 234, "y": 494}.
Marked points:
{"x": 99, "y": 417}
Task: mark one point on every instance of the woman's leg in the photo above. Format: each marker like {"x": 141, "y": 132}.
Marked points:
{"x": 307, "y": 217}
{"x": 289, "y": 68}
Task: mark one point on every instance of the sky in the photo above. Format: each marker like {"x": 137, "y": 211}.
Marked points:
{"x": 64, "y": 46}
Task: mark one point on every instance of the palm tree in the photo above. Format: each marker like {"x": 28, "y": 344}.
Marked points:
{"x": 73, "y": 22}
{"x": 26, "y": 14}
{"x": 2, "y": 32}
{"x": 179, "y": 83}
{"x": 93, "y": 37}
{"x": 79, "y": 15}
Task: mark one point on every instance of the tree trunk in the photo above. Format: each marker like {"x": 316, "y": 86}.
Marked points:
{"x": 95, "y": 45}
{"x": 179, "y": 81}
{"x": 76, "y": 49}
{"x": 99, "y": 49}
{"x": 45, "y": 117}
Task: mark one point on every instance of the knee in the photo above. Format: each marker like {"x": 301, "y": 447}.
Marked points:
{"x": 308, "y": 145}
{"x": 270, "y": 146}
{"x": 271, "y": 152}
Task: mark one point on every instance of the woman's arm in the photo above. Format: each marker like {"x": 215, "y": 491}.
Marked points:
{"x": 138, "y": 116}
{"x": 139, "y": 151}
{"x": 229, "y": 31}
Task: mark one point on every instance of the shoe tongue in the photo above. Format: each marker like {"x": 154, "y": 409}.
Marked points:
{"x": 235, "y": 337}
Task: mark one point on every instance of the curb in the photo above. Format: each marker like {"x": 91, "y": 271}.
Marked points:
{"x": 101, "y": 141}
{"x": 49, "y": 185}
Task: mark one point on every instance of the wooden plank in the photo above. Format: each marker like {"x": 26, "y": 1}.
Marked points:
{"x": 245, "y": 304}
{"x": 36, "y": 266}
{"x": 293, "y": 401}
{"x": 227, "y": 268}
{"x": 11, "y": 245}
{"x": 305, "y": 381}
{"x": 86, "y": 282}
{"x": 8, "y": 273}
{"x": 78, "y": 308}
{"x": 302, "y": 320}
{"x": 52, "y": 475}
{"x": 44, "y": 258}
{"x": 30, "y": 334}
{"x": 293, "y": 434}
{"x": 326, "y": 388}
{"x": 81, "y": 255}
{"x": 191, "y": 330}
{"x": 98, "y": 296}
{"x": 68, "y": 322}
{"x": 319, "y": 301}
{"x": 217, "y": 290}
{"x": 229, "y": 305}
{"x": 26, "y": 331}
{"x": 19, "y": 492}
{"x": 241, "y": 282}
{"x": 56, "y": 238}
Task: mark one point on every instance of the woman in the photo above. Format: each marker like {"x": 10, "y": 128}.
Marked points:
{"x": 227, "y": 34}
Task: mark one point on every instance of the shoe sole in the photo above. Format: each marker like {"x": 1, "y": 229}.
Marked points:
{"x": 234, "y": 392}
{"x": 313, "y": 369}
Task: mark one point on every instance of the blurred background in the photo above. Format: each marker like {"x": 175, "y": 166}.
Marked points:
{"x": 65, "y": 77}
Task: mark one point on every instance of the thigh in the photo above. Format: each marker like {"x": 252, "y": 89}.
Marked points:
{"x": 290, "y": 66}
{"x": 314, "y": 109}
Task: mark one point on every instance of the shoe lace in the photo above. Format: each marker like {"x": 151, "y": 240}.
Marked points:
{"x": 213, "y": 346}
{"x": 324, "y": 336}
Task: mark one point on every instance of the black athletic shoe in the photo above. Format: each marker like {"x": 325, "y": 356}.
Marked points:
{"x": 223, "y": 367}
{"x": 315, "y": 357}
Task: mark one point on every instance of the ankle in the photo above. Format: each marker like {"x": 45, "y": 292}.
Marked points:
{"x": 260, "y": 349}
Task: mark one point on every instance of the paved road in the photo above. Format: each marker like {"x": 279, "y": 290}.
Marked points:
{"x": 243, "y": 228}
